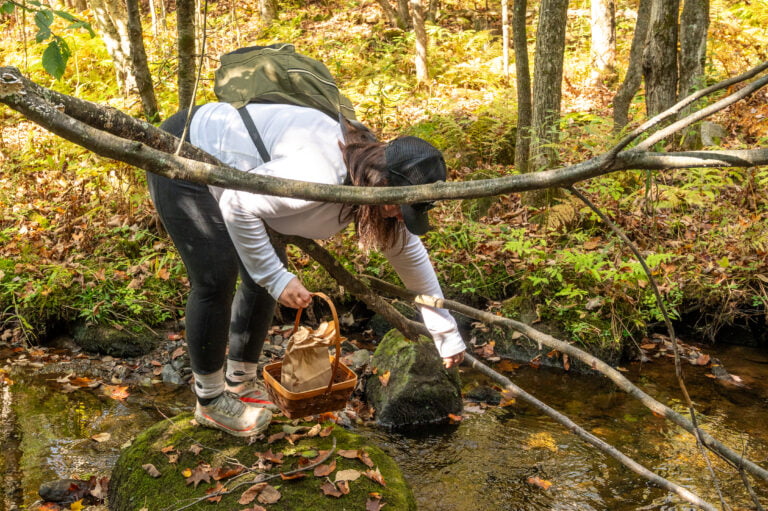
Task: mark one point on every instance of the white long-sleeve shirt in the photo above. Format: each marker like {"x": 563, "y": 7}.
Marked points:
{"x": 303, "y": 144}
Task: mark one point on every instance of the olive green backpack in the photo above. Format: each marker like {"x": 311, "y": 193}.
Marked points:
{"x": 277, "y": 74}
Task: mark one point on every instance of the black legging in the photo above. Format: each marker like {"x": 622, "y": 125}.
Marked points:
{"x": 214, "y": 316}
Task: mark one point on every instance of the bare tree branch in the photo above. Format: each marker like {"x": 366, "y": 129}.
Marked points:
{"x": 147, "y": 147}
{"x": 589, "y": 437}
{"x": 736, "y": 459}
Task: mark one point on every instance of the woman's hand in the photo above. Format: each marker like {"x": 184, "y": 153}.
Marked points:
{"x": 454, "y": 360}
{"x": 295, "y": 295}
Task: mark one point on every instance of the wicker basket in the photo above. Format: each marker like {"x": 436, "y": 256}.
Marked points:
{"x": 329, "y": 398}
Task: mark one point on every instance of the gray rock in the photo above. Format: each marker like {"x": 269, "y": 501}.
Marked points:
{"x": 111, "y": 341}
{"x": 419, "y": 390}
{"x": 712, "y": 133}
{"x": 359, "y": 359}
{"x": 171, "y": 375}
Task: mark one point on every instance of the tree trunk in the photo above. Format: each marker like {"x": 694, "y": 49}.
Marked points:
{"x": 391, "y": 15}
{"x": 660, "y": 57}
{"x": 548, "y": 78}
{"x": 139, "y": 61}
{"x": 111, "y": 21}
{"x": 153, "y": 16}
{"x": 505, "y": 36}
{"x": 547, "y": 90}
{"x": 422, "y": 73}
{"x": 432, "y": 8}
{"x": 694, "y": 24}
{"x": 523, "y": 73}
{"x": 634, "y": 75}
{"x": 603, "y": 47}
{"x": 267, "y": 11}
{"x": 404, "y": 12}
{"x": 185, "y": 18}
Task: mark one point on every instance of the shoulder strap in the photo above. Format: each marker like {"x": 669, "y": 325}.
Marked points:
{"x": 254, "y": 133}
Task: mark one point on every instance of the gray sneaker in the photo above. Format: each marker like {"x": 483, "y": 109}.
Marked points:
{"x": 229, "y": 414}
{"x": 253, "y": 393}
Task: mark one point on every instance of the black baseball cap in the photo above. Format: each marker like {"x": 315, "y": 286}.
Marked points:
{"x": 414, "y": 161}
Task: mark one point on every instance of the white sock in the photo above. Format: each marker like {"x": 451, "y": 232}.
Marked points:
{"x": 241, "y": 371}
{"x": 209, "y": 385}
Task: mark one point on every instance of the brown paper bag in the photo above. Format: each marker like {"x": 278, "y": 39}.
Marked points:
{"x": 306, "y": 364}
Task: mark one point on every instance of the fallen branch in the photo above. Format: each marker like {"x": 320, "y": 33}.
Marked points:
{"x": 736, "y": 459}
{"x": 112, "y": 134}
{"x": 588, "y": 437}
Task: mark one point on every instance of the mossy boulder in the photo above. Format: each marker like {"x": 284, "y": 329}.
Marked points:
{"x": 174, "y": 446}
{"x": 411, "y": 387}
{"x": 115, "y": 342}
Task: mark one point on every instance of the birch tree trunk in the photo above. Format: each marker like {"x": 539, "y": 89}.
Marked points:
{"x": 523, "y": 74}
{"x": 111, "y": 21}
{"x": 185, "y": 19}
{"x": 417, "y": 11}
{"x": 660, "y": 57}
{"x": 603, "y": 46}
{"x": 505, "y": 36}
{"x": 139, "y": 61}
{"x": 634, "y": 76}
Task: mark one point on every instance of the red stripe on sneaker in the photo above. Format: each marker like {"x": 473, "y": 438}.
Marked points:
{"x": 254, "y": 400}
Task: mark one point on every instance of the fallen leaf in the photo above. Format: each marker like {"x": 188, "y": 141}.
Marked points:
{"x": 350, "y": 454}
{"x": 324, "y": 470}
{"x": 77, "y": 505}
{"x": 541, "y": 483}
{"x": 116, "y": 392}
{"x": 363, "y": 456}
{"x": 507, "y": 398}
{"x": 150, "y": 469}
{"x": 373, "y": 504}
{"x": 225, "y": 473}
{"x": 186, "y": 472}
{"x": 701, "y": 360}
{"x": 251, "y": 493}
{"x": 201, "y": 473}
{"x": 219, "y": 489}
{"x": 315, "y": 430}
{"x": 276, "y": 437}
{"x": 195, "y": 449}
{"x": 177, "y": 352}
{"x": 101, "y": 437}
{"x": 506, "y": 366}
{"x": 269, "y": 495}
{"x": 455, "y": 419}
{"x": 384, "y": 379}
{"x": 375, "y": 475}
{"x": 293, "y": 475}
{"x": 343, "y": 486}
{"x": 272, "y": 457}
{"x": 347, "y": 475}
{"x": 326, "y": 431}
{"x": 330, "y": 489}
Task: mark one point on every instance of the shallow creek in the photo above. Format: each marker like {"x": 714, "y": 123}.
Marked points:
{"x": 484, "y": 463}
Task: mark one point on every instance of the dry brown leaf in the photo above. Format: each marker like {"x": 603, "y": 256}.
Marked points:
{"x": 150, "y": 469}
{"x": 101, "y": 437}
{"x": 375, "y": 475}
{"x": 330, "y": 489}
{"x": 199, "y": 474}
{"x": 216, "y": 489}
{"x": 269, "y": 495}
{"x": 251, "y": 493}
{"x": 343, "y": 486}
{"x": 225, "y": 473}
{"x": 326, "y": 431}
{"x": 325, "y": 470}
{"x": 373, "y": 504}
{"x": 347, "y": 475}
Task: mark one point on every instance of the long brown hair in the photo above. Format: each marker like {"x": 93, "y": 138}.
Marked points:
{"x": 366, "y": 166}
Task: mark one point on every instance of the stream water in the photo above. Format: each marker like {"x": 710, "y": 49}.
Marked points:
{"x": 489, "y": 461}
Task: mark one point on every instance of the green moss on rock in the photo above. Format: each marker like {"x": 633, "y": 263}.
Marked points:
{"x": 418, "y": 390}
{"x": 132, "y": 488}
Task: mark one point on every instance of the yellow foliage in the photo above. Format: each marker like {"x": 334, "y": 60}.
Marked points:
{"x": 541, "y": 441}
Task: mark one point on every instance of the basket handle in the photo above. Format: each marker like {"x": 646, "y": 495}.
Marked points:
{"x": 336, "y": 334}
